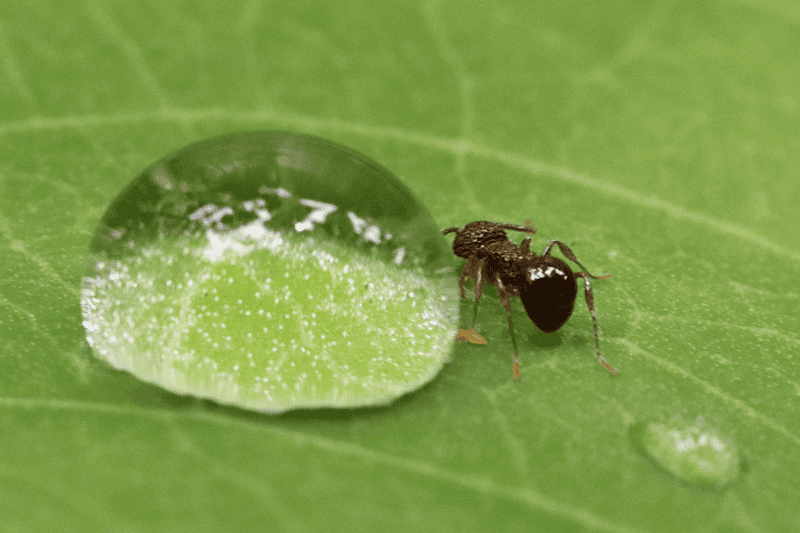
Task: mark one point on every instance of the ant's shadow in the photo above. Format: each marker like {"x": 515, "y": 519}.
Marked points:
{"x": 527, "y": 334}
{"x": 540, "y": 339}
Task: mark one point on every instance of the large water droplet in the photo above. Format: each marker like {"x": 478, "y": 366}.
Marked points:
{"x": 272, "y": 271}
{"x": 693, "y": 452}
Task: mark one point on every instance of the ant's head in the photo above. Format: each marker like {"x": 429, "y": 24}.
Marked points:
{"x": 475, "y": 237}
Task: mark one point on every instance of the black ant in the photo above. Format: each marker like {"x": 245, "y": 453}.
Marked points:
{"x": 545, "y": 284}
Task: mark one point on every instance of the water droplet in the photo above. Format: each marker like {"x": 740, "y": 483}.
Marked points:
{"x": 273, "y": 271}
{"x": 693, "y": 452}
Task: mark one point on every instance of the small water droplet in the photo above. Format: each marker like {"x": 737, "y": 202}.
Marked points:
{"x": 249, "y": 245}
{"x": 693, "y": 452}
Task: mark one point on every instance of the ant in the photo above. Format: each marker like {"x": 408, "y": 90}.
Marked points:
{"x": 545, "y": 284}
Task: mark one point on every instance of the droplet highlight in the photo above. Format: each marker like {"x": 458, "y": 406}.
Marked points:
{"x": 272, "y": 271}
{"x": 693, "y": 452}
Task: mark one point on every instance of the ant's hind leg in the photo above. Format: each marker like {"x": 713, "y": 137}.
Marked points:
{"x": 571, "y": 256}
{"x": 590, "y": 305}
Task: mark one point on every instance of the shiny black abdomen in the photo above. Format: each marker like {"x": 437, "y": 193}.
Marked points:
{"x": 549, "y": 292}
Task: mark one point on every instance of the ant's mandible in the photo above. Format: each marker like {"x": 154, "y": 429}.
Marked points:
{"x": 545, "y": 284}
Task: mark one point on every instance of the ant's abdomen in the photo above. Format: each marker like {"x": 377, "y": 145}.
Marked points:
{"x": 548, "y": 293}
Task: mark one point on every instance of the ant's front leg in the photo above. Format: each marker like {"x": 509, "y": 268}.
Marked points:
{"x": 472, "y": 270}
{"x": 506, "y": 301}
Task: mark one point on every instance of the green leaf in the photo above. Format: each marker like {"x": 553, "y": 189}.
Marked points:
{"x": 659, "y": 141}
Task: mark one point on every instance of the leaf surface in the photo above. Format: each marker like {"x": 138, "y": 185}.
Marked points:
{"x": 659, "y": 141}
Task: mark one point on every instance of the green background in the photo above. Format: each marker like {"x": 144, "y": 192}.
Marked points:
{"x": 660, "y": 140}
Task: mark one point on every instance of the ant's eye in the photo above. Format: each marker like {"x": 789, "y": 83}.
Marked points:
{"x": 272, "y": 271}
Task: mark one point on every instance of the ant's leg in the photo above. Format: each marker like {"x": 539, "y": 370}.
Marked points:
{"x": 470, "y": 335}
{"x": 529, "y": 225}
{"x": 590, "y": 305}
{"x": 471, "y": 270}
{"x": 506, "y": 301}
{"x": 527, "y": 228}
{"x": 571, "y": 256}
{"x": 589, "y": 296}
{"x": 478, "y": 289}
